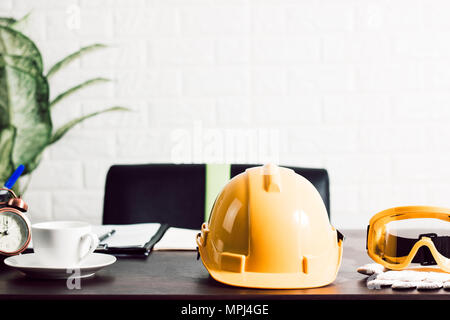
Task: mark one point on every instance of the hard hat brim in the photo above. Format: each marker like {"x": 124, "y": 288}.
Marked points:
{"x": 264, "y": 280}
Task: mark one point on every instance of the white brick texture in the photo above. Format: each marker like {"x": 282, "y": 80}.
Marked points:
{"x": 360, "y": 87}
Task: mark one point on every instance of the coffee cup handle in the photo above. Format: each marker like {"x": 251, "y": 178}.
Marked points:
{"x": 92, "y": 246}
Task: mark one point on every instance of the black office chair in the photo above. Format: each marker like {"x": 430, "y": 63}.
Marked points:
{"x": 173, "y": 194}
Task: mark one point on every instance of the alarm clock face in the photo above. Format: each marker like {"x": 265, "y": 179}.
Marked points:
{"x": 14, "y": 232}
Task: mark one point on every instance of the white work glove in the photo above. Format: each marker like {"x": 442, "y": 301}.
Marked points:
{"x": 380, "y": 277}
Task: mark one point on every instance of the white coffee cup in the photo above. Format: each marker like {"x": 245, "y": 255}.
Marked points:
{"x": 63, "y": 243}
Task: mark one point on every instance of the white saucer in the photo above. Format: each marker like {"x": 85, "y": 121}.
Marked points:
{"x": 30, "y": 265}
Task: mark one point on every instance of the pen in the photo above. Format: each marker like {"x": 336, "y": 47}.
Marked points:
{"x": 106, "y": 235}
{"x": 16, "y": 174}
{"x": 4, "y": 194}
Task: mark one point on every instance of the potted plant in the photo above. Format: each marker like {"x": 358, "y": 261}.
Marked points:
{"x": 26, "y": 127}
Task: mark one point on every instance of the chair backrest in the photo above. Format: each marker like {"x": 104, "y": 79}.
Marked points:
{"x": 172, "y": 193}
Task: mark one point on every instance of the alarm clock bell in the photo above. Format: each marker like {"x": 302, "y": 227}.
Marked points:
{"x": 15, "y": 227}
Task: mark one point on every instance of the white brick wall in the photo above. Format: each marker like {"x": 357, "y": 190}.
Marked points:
{"x": 360, "y": 87}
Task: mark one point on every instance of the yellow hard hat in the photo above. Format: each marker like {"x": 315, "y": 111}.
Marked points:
{"x": 269, "y": 228}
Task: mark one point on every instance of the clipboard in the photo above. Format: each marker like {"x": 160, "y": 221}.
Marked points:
{"x": 135, "y": 251}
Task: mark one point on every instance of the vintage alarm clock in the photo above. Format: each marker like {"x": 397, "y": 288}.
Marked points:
{"x": 15, "y": 227}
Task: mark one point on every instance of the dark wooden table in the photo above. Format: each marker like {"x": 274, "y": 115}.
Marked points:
{"x": 179, "y": 275}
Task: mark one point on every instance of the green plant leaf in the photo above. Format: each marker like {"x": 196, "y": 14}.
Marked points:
{"x": 33, "y": 164}
{"x": 14, "y": 43}
{"x": 5, "y": 21}
{"x": 65, "y": 61}
{"x": 80, "y": 86}
{"x": 60, "y": 132}
{"x": 21, "y": 23}
{"x": 24, "y": 107}
{"x": 24, "y": 63}
{"x": 6, "y": 146}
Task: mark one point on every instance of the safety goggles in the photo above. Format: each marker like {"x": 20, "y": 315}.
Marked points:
{"x": 400, "y": 236}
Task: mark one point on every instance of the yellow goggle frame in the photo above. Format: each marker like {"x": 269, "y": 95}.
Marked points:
{"x": 376, "y": 233}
